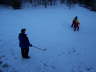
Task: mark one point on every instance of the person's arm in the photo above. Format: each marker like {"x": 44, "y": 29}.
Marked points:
{"x": 28, "y": 42}
{"x": 72, "y": 23}
{"x": 78, "y": 22}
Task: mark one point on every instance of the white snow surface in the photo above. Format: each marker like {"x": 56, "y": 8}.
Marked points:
{"x": 67, "y": 51}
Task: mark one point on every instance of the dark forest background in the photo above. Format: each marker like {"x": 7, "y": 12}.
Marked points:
{"x": 17, "y": 4}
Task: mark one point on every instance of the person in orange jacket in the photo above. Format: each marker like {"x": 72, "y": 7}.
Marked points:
{"x": 75, "y": 24}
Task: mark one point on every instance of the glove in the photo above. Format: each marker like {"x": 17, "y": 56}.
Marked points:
{"x": 30, "y": 45}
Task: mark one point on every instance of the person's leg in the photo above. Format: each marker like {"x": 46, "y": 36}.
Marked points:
{"x": 74, "y": 28}
{"x": 23, "y": 52}
{"x": 27, "y": 52}
{"x": 72, "y": 25}
{"x": 78, "y": 28}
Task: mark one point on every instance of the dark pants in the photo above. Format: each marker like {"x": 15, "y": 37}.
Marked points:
{"x": 76, "y": 28}
{"x": 24, "y": 52}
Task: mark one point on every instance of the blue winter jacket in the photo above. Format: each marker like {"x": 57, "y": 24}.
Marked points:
{"x": 23, "y": 41}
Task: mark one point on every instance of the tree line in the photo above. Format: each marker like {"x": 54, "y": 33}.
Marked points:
{"x": 16, "y": 4}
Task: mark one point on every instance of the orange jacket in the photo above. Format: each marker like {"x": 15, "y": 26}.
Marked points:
{"x": 75, "y": 23}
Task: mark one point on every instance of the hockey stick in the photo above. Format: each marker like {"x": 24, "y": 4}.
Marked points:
{"x": 42, "y": 49}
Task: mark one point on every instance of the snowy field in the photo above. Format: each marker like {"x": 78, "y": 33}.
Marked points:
{"x": 67, "y": 51}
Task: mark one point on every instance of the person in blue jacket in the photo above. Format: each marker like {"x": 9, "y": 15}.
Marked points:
{"x": 24, "y": 43}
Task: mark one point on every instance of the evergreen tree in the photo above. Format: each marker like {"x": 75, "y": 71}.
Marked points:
{"x": 16, "y": 4}
{"x": 62, "y": 1}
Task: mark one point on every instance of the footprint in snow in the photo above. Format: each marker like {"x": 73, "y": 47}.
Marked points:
{"x": 90, "y": 69}
{"x": 46, "y": 65}
{"x": 62, "y": 53}
{"x": 1, "y": 62}
{"x": 2, "y": 57}
{"x": 0, "y": 40}
{"x": 84, "y": 68}
{"x": 5, "y": 65}
{"x": 73, "y": 51}
{"x": 53, "y": 67}
{"x": 1, "y": 70}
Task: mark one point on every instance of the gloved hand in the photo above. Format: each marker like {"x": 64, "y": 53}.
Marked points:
{"x": 30, "y": 45}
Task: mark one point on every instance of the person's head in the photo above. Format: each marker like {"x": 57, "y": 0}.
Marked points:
{"x": 23, "y": 30}
{"x": 76, "y": 18}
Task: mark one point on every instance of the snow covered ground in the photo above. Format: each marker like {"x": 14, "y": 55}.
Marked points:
{"x": 67, "y": 51}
